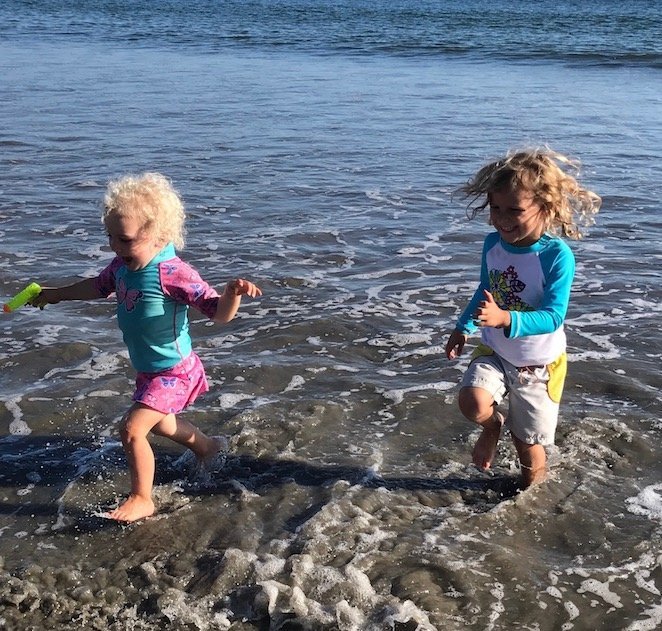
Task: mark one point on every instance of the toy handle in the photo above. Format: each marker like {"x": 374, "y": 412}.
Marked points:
{"x": 22, "y": 297}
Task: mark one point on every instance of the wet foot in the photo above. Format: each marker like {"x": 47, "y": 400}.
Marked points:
{"x": 215, "y": 446}
{"x": 133, "y": 509}
{"x": 205, "y": 460}
{"x": 486, "y": 446}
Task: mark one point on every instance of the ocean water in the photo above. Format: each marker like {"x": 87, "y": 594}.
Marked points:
{"x": 317, "y": 146}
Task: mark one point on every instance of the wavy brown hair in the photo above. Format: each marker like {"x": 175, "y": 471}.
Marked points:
{"x": 550, "y": 177}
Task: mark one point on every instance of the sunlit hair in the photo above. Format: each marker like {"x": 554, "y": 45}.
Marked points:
{"x": 550, "y": 177}
{"x": 152, "y": 200}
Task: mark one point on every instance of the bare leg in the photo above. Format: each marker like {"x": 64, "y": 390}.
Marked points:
{"x": 485, "y": 448}
{"x": 533, "y": 462}
{"x": 188, "y": 435}
{"x": 134, "y": 429}
{"x": 478, "y": 406}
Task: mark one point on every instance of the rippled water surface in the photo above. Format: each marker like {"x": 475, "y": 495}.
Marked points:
{"x": 316, "y": 146}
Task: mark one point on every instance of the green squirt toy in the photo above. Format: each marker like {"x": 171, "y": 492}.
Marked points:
{"x": 22, "y": 297}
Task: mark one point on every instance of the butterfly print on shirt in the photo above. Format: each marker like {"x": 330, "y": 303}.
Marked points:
{"x": 127, "y": 297}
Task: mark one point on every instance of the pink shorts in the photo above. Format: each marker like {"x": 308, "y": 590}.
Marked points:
{"x": 174, "y": 389}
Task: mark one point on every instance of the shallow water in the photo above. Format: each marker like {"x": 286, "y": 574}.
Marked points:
{"x": 324, "y": 173}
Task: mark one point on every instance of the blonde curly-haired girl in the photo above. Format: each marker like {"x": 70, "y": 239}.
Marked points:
{"x": 144, "y": 218}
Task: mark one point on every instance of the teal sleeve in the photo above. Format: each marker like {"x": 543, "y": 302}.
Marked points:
{"x": 558, "y": 266}
{"x": 465, "y": 323}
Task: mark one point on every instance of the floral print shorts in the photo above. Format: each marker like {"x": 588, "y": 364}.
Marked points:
{"x": 174, "y": 389}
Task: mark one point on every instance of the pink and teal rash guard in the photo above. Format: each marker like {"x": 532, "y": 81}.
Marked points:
{"x": 152, "y": 307}
{"x": 533, "y": 283}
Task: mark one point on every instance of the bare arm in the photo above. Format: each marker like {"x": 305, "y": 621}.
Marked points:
{"x": 230, "y": 299}
{"x": 82, "y": 290}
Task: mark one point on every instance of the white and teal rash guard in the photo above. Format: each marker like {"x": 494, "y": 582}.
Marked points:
{"x": 533, "y": 283}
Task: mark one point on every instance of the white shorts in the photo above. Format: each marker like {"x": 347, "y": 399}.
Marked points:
{"x": 532, "y": 414}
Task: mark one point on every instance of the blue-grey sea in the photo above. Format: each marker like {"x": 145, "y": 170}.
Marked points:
{"x": 317, "y": 145}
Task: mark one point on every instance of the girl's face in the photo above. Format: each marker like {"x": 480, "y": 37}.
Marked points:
{"x": 131, "y": 242}
{"x": 518, "y": 219}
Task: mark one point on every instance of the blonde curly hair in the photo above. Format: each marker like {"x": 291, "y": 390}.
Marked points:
{"x": 550, "y": 177}
{"x": 151, "y": 199}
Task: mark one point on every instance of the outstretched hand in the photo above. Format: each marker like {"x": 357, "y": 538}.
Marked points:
{"x": 489, "y": 313}
{"x": 455, "y": 344}
{"x": 230, "y": 299}
{"x": 47, "y": 296}
{"x": 241, "y": 287}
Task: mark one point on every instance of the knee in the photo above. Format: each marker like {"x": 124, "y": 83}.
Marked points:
{"x": 474, "y": 405}
{"x": 130, "y": 431}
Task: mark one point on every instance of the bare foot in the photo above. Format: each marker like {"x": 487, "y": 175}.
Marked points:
{"x": 215, "y": 445}
{"x": 133, "y": 509}
{"x": 486, "y": 446}
{"x": 205, "y": 459}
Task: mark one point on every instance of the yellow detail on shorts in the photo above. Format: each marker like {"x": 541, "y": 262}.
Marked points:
{"x": 557, "y": 371}
{"x": 481, "y": 350}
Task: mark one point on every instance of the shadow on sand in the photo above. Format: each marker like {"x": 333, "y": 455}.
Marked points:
{"x": 50, "y": 463}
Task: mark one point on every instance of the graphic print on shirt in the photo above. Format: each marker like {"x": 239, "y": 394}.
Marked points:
{"x": 127, "y": 297}
{"x": 505, "y": 287}
{"x": 169, "y": 268}
{"x": 184, "y": 277}
{"x": 197, "y": 290}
